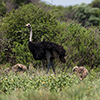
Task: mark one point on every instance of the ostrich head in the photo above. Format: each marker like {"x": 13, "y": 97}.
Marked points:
{"x": 75, "y": 68}
{"x": 28, "y": 25}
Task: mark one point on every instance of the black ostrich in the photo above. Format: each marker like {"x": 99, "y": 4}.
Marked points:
{"x": 46, "y": 50}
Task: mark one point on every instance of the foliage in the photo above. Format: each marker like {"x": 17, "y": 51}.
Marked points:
{"x": 64, "y": 13}
{"x": 95, "y": 3}
{"x": 7, "y": 6}
{"x": 86, "y": 15}
{"x": 2, "y": 8}
{"x": 47, "y": 82}
{"x": 81, "y": 45}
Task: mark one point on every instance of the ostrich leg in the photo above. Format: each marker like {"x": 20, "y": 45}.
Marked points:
{"x": 53, "y": 68}
{"x": 48, "y": 67}
{"x": 48, "y": 56}
{"x": 49, "y": 63}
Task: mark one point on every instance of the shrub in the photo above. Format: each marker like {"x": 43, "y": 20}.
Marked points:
{"x": 95, "y": 3}
{"x": 86, "y": 15}
{"x": 2, "y": 8}
{"x": 81, "y": 44}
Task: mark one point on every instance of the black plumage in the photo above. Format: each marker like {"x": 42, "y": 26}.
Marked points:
{"x": 46, "y": 50}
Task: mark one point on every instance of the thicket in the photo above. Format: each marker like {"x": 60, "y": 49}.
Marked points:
{"x": 81, "y": 44}
{"x": 95, "y": 3}
{"x": 86, "y": 15}
{"x": 83, "y": 14}
{"x": 2, "y": 8}
{"x": 8, "y": 5}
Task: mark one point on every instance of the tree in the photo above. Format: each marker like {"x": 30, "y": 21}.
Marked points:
{"x": 86, "y": 15}
{"x": 95, "y": 3}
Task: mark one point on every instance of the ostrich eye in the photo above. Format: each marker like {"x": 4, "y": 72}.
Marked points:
{"x": 73, "y": 70}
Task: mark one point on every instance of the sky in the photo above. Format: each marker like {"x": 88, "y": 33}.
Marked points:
{"x": 66, "y": 2}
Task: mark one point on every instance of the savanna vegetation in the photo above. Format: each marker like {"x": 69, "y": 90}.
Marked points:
{"x": 76, "y": 28}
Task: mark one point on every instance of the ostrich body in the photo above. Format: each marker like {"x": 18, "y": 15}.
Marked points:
{"x": 46, "y": 50}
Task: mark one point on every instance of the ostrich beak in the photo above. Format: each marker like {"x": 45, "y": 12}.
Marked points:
{"x": 26, "y": 25}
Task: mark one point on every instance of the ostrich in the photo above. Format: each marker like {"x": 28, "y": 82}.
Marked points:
{"x": 19, "y": 68}
{"x": 46, "y": 50}
{"x": 81, "y": 72}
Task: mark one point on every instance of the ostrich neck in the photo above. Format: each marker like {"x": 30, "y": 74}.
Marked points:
{"x": 30, "y": 33}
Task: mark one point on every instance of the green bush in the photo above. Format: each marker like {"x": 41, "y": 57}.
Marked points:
{"x": 86, "y": 15}
{"x": 81, "y": 44}
{"x": 95, "y": 3}
{"x": 2, "y": 8}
